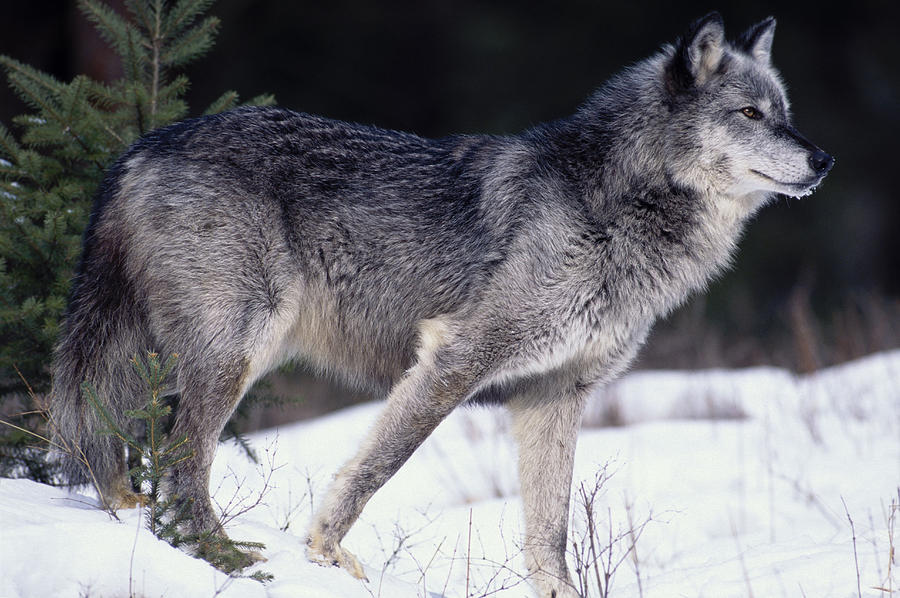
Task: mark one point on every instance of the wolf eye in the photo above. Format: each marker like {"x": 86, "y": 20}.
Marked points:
{"x": 751, "y": 112}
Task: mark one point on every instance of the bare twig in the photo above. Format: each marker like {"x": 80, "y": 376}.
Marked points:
{"x": 596, "y": 557}
{"x": 629, "y": 508}
{"x": 137, "y": 530}
{"x": 812, "y": 499}
{"x": 892, "y": 554}
{"x": 238, "y": 504}
{"x": 62, "y": 444}
{"x": 855, "y": 556}
{"x": 156, "y": 41}
{"x": 450, "y": 569}
{"x": 402, "y": 543}
{"x": 469, "y": 554}
{"x": 423, "y": 570}
{"x": 740, "y": 554}
{"x": 309, "y": 487}
{"x": 887, "y": 586}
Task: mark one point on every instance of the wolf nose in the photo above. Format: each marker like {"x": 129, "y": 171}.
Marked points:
{"x": 821, "y": 162}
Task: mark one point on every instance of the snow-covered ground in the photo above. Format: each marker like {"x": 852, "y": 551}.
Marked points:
{"x": 734, "y": 482}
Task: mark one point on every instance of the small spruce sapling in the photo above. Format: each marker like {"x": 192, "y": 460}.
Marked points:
{"x": 157, "y": 454}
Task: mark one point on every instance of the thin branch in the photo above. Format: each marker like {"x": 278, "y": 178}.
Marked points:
{"x": 855, "y": 556}
{"x": 157, "y": 41}
{"x": 469, "y": 554}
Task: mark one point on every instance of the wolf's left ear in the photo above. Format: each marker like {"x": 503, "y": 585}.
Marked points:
{"x": 699, "y": 53}
{"x": 757, "y": 41}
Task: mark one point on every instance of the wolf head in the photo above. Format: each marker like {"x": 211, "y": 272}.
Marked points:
{"x": 729, "y": 117}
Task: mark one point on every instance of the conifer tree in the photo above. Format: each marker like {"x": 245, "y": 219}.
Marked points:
{"x": 48, "y": 174}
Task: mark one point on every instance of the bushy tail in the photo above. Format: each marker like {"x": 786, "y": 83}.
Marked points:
{"x": 103, "y": 328}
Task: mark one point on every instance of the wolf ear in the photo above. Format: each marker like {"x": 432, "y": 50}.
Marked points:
{"x": 699, "y": 53}
{"x": 757, "y": 41}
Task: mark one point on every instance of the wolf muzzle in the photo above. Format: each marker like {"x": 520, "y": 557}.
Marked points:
{"x": 820, "y": 161}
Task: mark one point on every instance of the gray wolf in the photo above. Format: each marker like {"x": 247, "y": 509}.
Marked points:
{"x": 523, "y": 271}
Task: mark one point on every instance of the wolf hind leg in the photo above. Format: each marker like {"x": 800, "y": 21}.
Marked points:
{"x": 211, "y": 387}
{"x": 416, "y": 405}
{"x": 546, "y": 416}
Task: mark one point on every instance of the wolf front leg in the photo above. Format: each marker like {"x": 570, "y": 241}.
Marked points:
{"x": 414, "y": 408}
{"x": 546, "y": 416}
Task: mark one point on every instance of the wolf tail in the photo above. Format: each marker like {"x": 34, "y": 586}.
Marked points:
{"x": 105, "y": 325}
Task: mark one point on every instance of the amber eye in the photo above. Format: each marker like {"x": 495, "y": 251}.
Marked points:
{"x": 751, "y": 112}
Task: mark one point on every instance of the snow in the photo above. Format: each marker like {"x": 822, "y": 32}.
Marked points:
{"x": 740, "y": 478}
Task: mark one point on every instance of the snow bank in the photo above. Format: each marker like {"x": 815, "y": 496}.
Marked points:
{"x": 743, "y": 476}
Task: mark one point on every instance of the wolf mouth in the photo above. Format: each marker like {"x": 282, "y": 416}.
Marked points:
{"x": 803, "y": 185}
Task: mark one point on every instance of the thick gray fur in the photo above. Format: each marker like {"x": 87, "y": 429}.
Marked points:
{"x": 523, "y": 270}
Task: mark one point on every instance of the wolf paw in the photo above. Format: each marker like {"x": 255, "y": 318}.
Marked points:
{"x": 549, "y": 585}
{"x": 558, "y": 589}
{"x": 127, "y": 500}
{"x": 333, "y": 556}
{"x": 564, "y": 592}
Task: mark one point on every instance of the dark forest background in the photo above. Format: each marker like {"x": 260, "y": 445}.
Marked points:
{"x": 816, "y": 280}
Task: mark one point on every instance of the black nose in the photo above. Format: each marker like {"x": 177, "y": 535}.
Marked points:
{"x": 820, "y": 161}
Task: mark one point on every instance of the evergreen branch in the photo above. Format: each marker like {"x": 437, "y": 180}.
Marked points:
{"x": 76, "y": 110}
{"x": 139, "y": 9}
{"x": 156, "y": 41}
{"x": 242, "y": 441}
{"x": 109, "y": 98}
{"x": 8, "y": 145}
{"x": 226, "y": 101}
{"x": 32, "y": 86}
{"x": 141, "y": 369}
{"x": 133, "y": 59}
{"x": 167, "y": 366}
{"x": 23, "y": 233}
{"x": 265, "y": 99}
{"x": 75, "y": 102}
{"x": 183, "y": 14}
{"x": 52, "y": 224}
{"x": 176, "y": 445}
{"x": 30, "y": 433}
{"x": 133, "y": 83}
{"x": 170, "y": 93}
{"x": 114, "y": 29}
{"x": 91, "y": 395}
{"x": 114, "y": 135}
{"x": 13, "y": 66}
{"x": 33, "y": 167}
{"x": 195, "y": 42}
{"x": 29, "y": 82}
{"x": 181, "y": 459}
{"x": 68, "y": 130}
